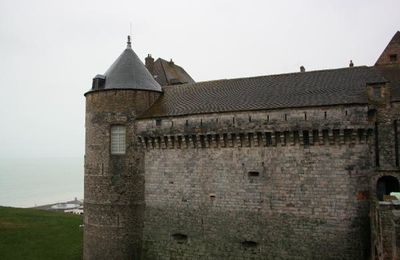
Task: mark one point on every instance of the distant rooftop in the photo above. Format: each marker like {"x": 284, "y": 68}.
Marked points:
{"x": 167, "y": 72}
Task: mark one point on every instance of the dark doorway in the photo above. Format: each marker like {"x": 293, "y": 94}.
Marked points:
{"x": 386, "y": 185}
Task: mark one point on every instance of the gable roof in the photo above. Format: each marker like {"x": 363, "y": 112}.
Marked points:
{"x": 393, "y": 48}
{"x": 168, "y": 73}
{"x": 303, "y": 89}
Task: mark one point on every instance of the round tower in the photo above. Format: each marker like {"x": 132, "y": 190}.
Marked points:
{"x": 114, "y": 170}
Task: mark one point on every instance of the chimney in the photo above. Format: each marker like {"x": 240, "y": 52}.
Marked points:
{"x": 351, "y": 64}
{"x": 171, "y": 61}
{"x": 149, "y": 63}
{"x": 302, "y": 69}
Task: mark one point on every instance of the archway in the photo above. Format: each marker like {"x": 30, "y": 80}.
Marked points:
{"x": 385, "y": 185}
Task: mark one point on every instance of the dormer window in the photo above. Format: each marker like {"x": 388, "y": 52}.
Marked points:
{"x": 118, "y": 139}
{"x": 393, "y": 57}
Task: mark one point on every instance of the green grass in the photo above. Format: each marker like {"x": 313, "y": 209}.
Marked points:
{"x": 38, "y": 234}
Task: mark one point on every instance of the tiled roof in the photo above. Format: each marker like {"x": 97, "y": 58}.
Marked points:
{"x": 303, "y": 89}
{"x": 128, "y": 72}
{"x": 168, "y": 73}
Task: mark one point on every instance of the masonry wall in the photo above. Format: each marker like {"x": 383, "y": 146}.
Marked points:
{"x": 114, "y": 189}
{"x": 261, "y": 185}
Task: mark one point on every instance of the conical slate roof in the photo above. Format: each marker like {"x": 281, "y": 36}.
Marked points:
{"x": 129, "y": 72}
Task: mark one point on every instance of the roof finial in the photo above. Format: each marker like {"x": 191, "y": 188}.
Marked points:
{"x": 129, "y": 45}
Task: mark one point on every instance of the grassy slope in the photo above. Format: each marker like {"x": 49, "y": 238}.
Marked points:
{"x": 39, "y": 234}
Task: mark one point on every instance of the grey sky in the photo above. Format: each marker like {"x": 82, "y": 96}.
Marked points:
{"x": 50, "y": 50}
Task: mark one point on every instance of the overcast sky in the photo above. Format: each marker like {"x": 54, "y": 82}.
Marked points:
{"x": 50, "y": 51}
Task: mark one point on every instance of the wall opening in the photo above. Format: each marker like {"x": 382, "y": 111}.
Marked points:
{"x": 393, "y": 57}
{"x": 385, "y": 185}
{"x": 249, "y": 244}
{"x": 253, "y": 174}
{"x": 180, "y": 238}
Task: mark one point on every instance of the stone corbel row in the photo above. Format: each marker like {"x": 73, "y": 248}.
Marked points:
{"x": 258, "y": 139}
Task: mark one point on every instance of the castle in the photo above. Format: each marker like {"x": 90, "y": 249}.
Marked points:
{"x": 289, "y": 166}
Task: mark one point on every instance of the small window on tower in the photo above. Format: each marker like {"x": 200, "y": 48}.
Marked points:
{"x": 118, "y": 139}
{"x": 393, "y": 57}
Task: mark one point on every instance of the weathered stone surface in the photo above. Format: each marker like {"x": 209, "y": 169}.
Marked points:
{"x": 114, "y": 184}
{"x": 287, "y": 183}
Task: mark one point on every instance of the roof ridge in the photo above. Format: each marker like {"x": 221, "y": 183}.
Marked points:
{"x": 270, "y": 75}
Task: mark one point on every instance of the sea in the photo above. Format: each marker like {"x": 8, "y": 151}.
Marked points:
{"x": 40, "y": 181}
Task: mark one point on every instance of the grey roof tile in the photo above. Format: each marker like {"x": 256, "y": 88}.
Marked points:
{"x": 129, "y": 72}
{"x": 303, "y": 89}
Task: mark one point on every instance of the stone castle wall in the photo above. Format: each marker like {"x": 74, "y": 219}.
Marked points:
{"x": 280, "y": 184}
{"x": 114, "y": 189}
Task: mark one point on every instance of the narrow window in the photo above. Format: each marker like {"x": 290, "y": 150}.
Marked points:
{"x": 325, "y": 114}
{"x": 158, "y": 122}
{"x": 118, "y": 140}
